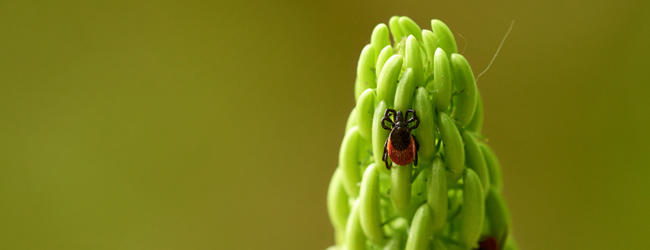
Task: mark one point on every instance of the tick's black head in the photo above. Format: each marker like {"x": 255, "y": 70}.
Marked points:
{"x": 409, "y": 121}
{"x": 399, "y": 120}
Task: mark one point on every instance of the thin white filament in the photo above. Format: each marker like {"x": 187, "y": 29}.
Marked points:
{"x": 512, "y": 24}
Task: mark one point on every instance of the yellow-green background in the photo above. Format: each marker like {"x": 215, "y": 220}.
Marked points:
{"x": 216, "y": 125}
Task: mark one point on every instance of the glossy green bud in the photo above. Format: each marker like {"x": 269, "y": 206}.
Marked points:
{"x": 409, "y": 27}
{"x": 465, "y": 100}
{"x": 413, "y": 59}
{"x": 385, "y": 53}
{"x": 475, "y": 160}
{"x": 395, "y": 29}
{"x": 429, "y": 43}
{"x": 405, "y": 91}
{"x": 349, "y": 161}
{"x": 370, "y": 216}
{"x": 337, "y": 205}
{"x": 441, "y": 84}
{"x": 425, "y": 132}
{"x": 379, "y": 134}
{"x": 498, "y": 216}
{"x": 387, "y": 81}
{"x": 400, "y": 193}
{"x": 445, "y": 39}
{"x": 419, "y": 187}
{"x": 454, "y": 151}
{"x": 365, "y": 111}
{"x": 494, "y": 168}
{"x": 365, "y": 71}
{"x": 380, "y": 37}
{"x": 420, "y": 232}
{"x": 472, "y": 211}
{"x": 355, "y": 239}
{"x": 437, "y": 195}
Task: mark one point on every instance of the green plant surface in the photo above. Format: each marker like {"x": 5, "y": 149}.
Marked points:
{"x": 452, "y": 198}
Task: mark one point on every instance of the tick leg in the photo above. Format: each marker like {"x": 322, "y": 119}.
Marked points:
{"x": 390, "y": 111}
{"x": 415, "y": 162}
{"x": 385, "y": 155}
{"x": 417, "y": 146}
{"x": 387, "y": 119}
{"x": 417, "y": 123}
{"x": 414, "y": 118}
{"x": 410, "y": 112}
{"x": 390, "y": 123}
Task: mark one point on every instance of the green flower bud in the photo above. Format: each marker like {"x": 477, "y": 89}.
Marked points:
{"x": 387, "y": 83}
{"x": 405, "y": 91}
{"x": 420, "y": 232}
{"x": 385, "y": 53}
{"x": 380, "y": 37}
{"x": 445, "y": 39}
{"x": 337, "y": 205}
{"x": 395, "y": 29}
{"x": 425, "y": 133}
{"x": 441, "y": 85}
{"x": 409, "y": 27}
{"x": 475, "y": 160}
{"x": 349, "y": 163}
{"x": 498, "y": 216}
{"x": 366, "y": 110}
{"x": 472, "y": 211}
{"x": 379, "y": 134}
{"x": 365, "y": 71}
{"x": 454, "y": 151}
{"x": 400, "y": 193}
{"x": 437, "y": 195}
{"x": 355, "y": 239}
{"x": 370, "y": 216}
{"x": 413, "y": 59}
{"x": 429, "y": 43}
{"x": 465, "y": 100}
{"x": 493, "y": 167}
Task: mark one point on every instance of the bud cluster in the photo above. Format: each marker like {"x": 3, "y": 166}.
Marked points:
{"x": 452, "y": 198}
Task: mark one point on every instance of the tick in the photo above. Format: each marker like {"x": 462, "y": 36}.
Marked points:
{"x": 400, "y": 146}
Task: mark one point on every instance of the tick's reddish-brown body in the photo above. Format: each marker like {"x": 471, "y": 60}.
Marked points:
{"x": 401, "y": 146}
{"x": 401, "y": 156}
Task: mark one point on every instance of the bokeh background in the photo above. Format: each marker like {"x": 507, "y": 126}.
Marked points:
{"x": 216, "y": 125}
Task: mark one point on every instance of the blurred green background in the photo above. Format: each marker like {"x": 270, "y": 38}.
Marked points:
{"x": 216, "y": 125}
